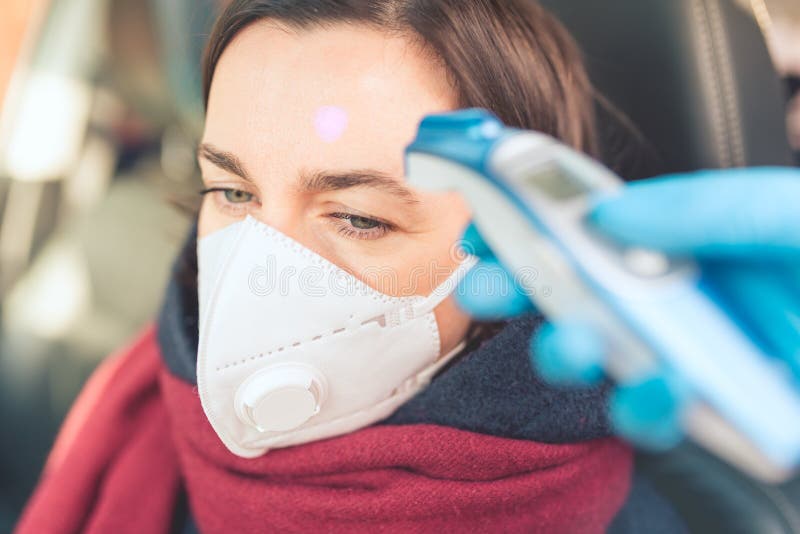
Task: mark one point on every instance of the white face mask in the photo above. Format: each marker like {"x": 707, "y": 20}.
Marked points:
{"x": 294, "y": 349}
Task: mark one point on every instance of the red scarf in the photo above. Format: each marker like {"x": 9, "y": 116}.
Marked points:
{"x": 137, "y": 433}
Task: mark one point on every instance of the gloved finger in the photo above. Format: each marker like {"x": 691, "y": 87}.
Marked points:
{"x": 766, "y": 301}
{"x": 649, "y": 412}
{"x": 568, "y": 353}
{"x": 488, "y": 292}
{"x": 734, "y": 213}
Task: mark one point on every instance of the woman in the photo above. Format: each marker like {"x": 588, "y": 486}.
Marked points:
{"x": 309, "y": 106}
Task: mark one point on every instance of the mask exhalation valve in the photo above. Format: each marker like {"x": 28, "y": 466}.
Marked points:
{"x": 281, "y": 397}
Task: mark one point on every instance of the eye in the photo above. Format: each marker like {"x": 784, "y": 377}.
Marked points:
{"x": 230, "y": 200}
{"x": 363, "y": 223}
{"x": 231, "y": 195}
{"x": 237, "y": 196}
{"x": 360, "y": 227}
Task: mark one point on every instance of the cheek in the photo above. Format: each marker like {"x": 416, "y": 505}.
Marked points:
{"x": 427, "y": 259}
{"x": 453, "y": 324}
{"x": 209, "y": 219}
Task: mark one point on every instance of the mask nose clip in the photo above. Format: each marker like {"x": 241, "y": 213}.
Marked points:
{"x": 280, "y": 397}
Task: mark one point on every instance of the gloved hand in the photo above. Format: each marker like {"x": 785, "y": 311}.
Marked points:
{"x": 743, "y": 228}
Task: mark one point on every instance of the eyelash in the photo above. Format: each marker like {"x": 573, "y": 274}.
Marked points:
{"x": 380, "y": 229}
{"x": 232, "y": 208}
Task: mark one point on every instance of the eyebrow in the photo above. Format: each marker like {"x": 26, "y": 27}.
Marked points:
{"x": 316, "y": 181}
{"x": 322, "y": 181}
{"x": 226, "y": 161}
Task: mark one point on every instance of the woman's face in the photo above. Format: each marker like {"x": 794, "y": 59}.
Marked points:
{"x": 305, "y": 131}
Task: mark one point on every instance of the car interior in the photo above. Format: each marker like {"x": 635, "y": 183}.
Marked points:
{"x": 682, "y": 85}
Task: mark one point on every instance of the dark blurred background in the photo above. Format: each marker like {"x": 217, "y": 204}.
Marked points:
{"x": 101, "y": 112}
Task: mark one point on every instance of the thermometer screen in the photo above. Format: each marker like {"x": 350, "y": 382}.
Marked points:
{"x": 555, "y": 183}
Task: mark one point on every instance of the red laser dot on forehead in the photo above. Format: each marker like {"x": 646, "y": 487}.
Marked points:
{"x": 330, "y": 122}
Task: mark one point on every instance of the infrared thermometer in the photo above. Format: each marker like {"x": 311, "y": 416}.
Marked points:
{"x": 530, "y": 195}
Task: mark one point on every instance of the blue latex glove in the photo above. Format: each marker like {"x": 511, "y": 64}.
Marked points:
{"x": 742, "y": 226}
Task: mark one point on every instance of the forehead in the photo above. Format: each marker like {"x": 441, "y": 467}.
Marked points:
{"x": 344, "y": 96}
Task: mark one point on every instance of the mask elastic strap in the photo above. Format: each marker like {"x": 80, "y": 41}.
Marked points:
{"x": 445, "y": 289}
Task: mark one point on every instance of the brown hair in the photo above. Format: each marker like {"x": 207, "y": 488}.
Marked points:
{"x": 508, "y": 56}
